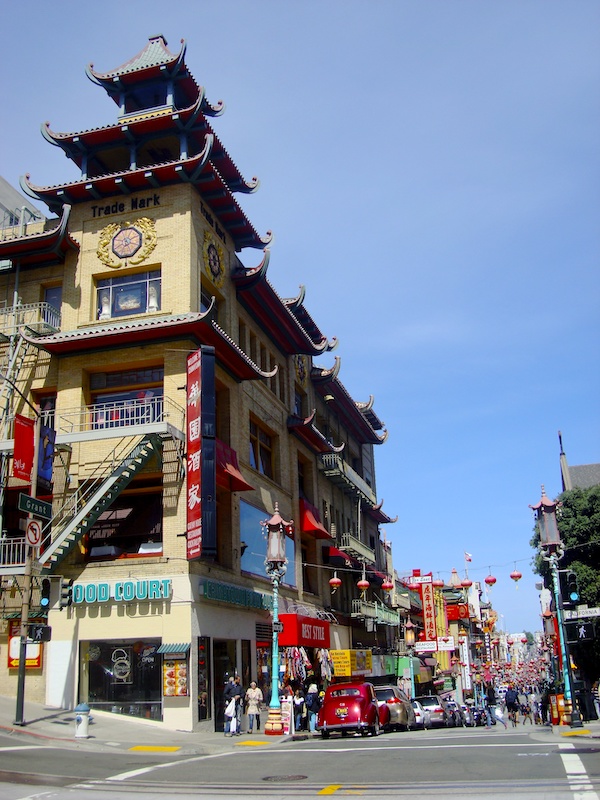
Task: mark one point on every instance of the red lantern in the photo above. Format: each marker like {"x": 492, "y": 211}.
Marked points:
{"x": 363, "y": 584}
{"x": 438, "y": 583}
{"x": 387, "y": 585}
{"x": 467, "y": 583}
{"x": 524, "y": 640}
{"x": 516, "y": 576}
{"x": 490, "y": 580}
{"x": 335, "y": 582}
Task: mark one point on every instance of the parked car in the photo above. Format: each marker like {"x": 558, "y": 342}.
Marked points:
{"x": 351, "y": 708}
{"x": 468, "y": 716}
{"x": 456, "y": 712}
{"x": 422, "y": 716}
{"x": 402, "y": 716}
{"x": 436, "y": 707}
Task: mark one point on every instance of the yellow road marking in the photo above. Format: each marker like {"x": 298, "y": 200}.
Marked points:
{"x": 581, "y": 732}
{"x": 331, "y": 789}
{"x": 155, "y": 748}
{"x": 250, "y": 744}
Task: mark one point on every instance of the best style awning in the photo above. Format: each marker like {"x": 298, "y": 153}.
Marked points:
{"x": 171, "y": 649}
{"x": 228, "y": 471}
{"x": 311, "y": 521}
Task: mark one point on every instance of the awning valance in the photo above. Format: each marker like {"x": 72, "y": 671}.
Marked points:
{"x": 228, "y": 471}
{"x": 172, "y": 649}
{"x": 333, "y": 552}
{"x": 311, "y": 521}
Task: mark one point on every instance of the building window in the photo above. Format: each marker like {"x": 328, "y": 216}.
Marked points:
{"x": 52, "y": 305}
{"x": 128, "y": 397}
{"x": 261, "y": 450}
{"x": 132, "y": 294}
{"x": 131, "y": 526}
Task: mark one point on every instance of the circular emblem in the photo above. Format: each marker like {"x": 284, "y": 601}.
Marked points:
{"x": 127, "y": 242}
{"x": 214, "y": 259}
{"x": 214, "y": 262}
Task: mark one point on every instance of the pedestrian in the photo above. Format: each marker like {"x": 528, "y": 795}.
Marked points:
{"x": 526, "y": 712}
{"x": 545, "y": 705}
{"x": 299, "y": 709}
{"x": 313, "y": 704}
{"x": 254, "y": 698}
{"x": 228, "y": 696}
{"x": 491, "y": 711}
{"x": 512, "y": 704}
{"x": 596, "y": 699}
{"x": 238, "y": 693}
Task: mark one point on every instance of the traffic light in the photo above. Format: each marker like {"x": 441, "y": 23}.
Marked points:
{"x": 570, "y": 594}
{"x": 66, "y": 592}
{"x": 45, "y": 595}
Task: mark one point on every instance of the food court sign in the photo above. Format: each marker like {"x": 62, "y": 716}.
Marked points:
{"x": 122, "y": 591}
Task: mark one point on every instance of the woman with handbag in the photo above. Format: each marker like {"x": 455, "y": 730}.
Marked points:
{"x": 254, "y": 698}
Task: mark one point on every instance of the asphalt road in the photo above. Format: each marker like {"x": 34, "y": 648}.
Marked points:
{"x": 472, "y": 763}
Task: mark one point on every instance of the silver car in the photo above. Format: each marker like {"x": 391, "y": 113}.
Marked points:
{"x": 402, "y": 715}
{"x": 422, "y": 716}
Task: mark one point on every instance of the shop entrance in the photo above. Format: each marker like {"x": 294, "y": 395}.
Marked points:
{"x": 223, "y": 659}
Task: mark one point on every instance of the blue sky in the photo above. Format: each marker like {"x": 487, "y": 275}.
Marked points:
{"x": 430, "y": 172}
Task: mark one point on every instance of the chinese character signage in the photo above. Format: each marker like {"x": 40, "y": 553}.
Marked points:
{"x": 23, "y": 457}
{"x": 194, "y": 456}
{"x": 428, "y": 610}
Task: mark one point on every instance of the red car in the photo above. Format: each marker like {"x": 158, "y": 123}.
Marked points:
{"x": 351, "y": 708}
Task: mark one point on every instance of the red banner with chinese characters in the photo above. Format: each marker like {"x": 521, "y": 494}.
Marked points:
{"x": 428, "y": 609}
{"x": 23, "y": 456}
{"x": 194, "y": 456}
{"x": 457, "y": 612}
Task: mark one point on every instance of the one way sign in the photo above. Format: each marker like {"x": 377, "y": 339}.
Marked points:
{"x": 580, "y": 631}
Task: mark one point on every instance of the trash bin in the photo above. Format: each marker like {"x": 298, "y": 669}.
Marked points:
{"x": 82, "y": 721}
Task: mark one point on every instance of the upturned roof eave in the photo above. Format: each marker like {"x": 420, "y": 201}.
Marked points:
{"x": 196, "y": 326}
{"x": 40, "y": 249}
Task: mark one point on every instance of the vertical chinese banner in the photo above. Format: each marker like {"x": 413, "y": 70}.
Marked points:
{"x": 428, "y": 608}
{"x": 23, "y": 456}
{"x": 194, "y": 456}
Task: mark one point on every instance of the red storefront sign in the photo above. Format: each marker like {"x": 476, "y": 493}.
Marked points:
{"x": 300, "y": 631}
{"x": 23, "y": 457}
{"x": 428, "y": 610}
{"x": 457, "y": 612}
{"x": 194, "y": 456}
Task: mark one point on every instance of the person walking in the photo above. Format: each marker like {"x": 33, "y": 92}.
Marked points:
{"x": 299, "y": 709}
{"x": 238, "y": 693}
{"x": 313, "y": 704}
{"x": 228, "y": 695}
{"x": 511, "y": 698}
{"x": 254, "y": 698}
{"x": 526, "y": 712}
{"x": 490, "y": 707}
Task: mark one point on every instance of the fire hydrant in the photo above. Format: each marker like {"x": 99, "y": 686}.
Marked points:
{"x": 82, "y": 719}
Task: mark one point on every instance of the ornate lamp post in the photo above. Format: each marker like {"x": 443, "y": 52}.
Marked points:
{"x": 275, "y": 566}
{"x": 409, "y": 640}
{"x": 552, "y": 550}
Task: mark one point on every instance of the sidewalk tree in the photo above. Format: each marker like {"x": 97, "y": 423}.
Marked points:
{"x": 579, "y": 525}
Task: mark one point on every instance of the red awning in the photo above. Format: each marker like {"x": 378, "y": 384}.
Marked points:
{"x": 335, "y": 553}
{"x": 228, "y": 471}
{"x": 376, "y": 574}
{"x": 311, "y": 521}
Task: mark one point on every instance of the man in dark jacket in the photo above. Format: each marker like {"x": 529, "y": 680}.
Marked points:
{"x": 228, "y": 694}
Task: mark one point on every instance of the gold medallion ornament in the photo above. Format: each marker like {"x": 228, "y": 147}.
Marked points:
{"x": 128, "y": 243}
{"x": 301, "y": 370}
{"x": 214, "y": 260}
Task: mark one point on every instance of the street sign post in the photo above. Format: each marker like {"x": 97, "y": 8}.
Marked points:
{"x": 31, "y": 505}
{"x": 582, "y": 612}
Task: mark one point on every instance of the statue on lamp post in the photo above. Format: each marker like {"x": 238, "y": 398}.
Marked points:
{"x": 275, "y": 566}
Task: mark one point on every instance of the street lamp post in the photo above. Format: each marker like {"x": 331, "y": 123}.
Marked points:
{"x": 552, "y": 550}
{"x": 275, "y": 566}
{"x": 409, "y": 640}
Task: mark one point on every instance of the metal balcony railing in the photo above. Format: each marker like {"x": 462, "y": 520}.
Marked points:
{"x": 12, "y": 555}
{"x": 37, "y": 318}
{"x": 354, "y": 547}
{"x": 366, "y": 609}
{"x": 342, "y": 474}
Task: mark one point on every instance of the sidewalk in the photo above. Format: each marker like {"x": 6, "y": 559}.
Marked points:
{"x": 116, "y": 731}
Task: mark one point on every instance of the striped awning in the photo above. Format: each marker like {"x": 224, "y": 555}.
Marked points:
{"x": 170, "y": 649}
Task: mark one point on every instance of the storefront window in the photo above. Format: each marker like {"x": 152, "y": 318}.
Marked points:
{"x": 204, "y": 707}
{"x": 253, "y": 535}
{"x": 122, "y": 676}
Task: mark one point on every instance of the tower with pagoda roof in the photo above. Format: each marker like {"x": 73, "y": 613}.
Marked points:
{"x": 180, "y": 402}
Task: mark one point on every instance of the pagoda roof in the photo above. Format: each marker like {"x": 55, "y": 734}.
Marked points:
{"x": 197, "y": 171}
{"x": 199, "y": 326}
{"x": 282, "y": 323}
{"x": 104, "y": 143}
{"x": 357, "y": 416}
{"x": 298, "y": 309}
{"x": 155, "y": 60}
{"x": 377, "y": 513}
{"x": 40, "y": 249}
{"x": 305, "y": 430}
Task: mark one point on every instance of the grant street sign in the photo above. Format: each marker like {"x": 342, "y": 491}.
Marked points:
{"x": 31, "y": 505}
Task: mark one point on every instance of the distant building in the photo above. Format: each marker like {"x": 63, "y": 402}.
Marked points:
{"x": 583, "y": 476}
